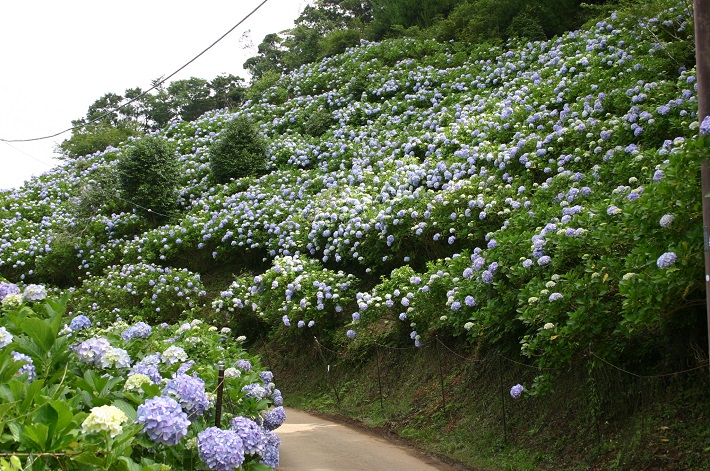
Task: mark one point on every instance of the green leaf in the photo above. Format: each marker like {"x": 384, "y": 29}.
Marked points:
{"x": 64, "y": 414}
{"x": 127, "y": 464}
{"x": 48, "y": 416}
{"x": 126, "y": 408}
{"x": 39, "y": 331}
{"x": 15, "y": 430}
{"x": 35, "y": 436}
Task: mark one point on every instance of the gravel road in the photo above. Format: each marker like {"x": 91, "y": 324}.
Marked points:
{"x": 309, "y": 443}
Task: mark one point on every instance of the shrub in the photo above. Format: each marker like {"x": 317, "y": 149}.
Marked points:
{"x": 240, "y": 152}
{"x": 148, "y": 174}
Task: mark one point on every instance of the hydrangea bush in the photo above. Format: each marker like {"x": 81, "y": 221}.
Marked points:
{"x": 78, "y": 394}
{"x": 450, "y": 190}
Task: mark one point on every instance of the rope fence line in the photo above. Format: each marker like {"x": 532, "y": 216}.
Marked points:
{"x": 704, "y": 364}
{"x": 613, "y": 392}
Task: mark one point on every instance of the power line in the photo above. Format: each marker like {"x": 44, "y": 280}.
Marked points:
{"x": 155, "y": 85}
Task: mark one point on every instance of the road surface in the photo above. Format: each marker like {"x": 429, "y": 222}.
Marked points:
{"x": 309, "y": 443}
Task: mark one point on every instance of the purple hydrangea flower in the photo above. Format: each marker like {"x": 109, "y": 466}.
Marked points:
{"x": 705, "y": 126}
{"x": 151, "y": 371}
{"x": 270, "y": 457}
{"x": 189, "y": 392}
{"x": 163, "y": 420}
{"x": 244, "y": 365}
{"x": 255, "y": 390}
{"x": 221, "y": 450}
{"x": 277, "y": 398}
{"x": 266, "y": 376}
{"x": 666, "y": 260}
{"x": 350, "y": 333}
{"x": 516, "y": 391}
{"x": 544, "y": 260}
{"x": 555, "y": 297}
{"x": 252, "y": 436}
{"x": 274, "y": 418}
{"x": 8, "y": 288}
{"x": 80, "y": 322}
{"x": 28, "y": 367}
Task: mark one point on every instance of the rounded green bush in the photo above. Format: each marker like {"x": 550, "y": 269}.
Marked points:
{"x": 240, "y": 151}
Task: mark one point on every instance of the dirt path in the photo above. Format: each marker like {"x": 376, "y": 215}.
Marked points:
{"x": 309, "y": 443}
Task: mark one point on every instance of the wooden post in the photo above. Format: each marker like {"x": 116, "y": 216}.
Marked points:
{"x": 701, "y": 13}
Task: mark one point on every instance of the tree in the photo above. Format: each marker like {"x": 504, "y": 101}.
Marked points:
{"x": 92, "y": 138}
{"x": 269, "y": 57}
{"x": 148, "y": 173}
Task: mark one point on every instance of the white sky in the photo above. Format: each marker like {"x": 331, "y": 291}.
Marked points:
{"x": 56, "y": 58}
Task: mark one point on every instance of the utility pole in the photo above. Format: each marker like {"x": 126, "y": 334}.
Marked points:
{"x": 701, "y": 13}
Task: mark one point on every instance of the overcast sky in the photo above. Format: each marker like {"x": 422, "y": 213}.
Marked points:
{"x": 56, "y": 58}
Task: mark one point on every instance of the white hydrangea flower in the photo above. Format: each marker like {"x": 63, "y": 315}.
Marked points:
{"x": 104, "y": 419}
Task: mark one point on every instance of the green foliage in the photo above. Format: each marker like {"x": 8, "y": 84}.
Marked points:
{"x": 148, "y": 173}
{"x": 96, "y": 137}
{"x": 48, "y": 403}
{"x": 239, "y": 152}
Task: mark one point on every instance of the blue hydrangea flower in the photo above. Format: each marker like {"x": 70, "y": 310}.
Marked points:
{"x": 666, "y": 260}
{"x": 516, "y": 391}
{"x": 244, "y": 365}
{"x": 189, "y": 392}
{"x": 350, "y": 333}
{"x": 274, "y": 418}
{"x": 266, "y": 376}
{"x": 270, "y": 457}
{"x": 163, "y": 420}
{"x": 91, "y": 351}
{"x": 555, "y": 297}
{"x": 8, "y": 288}
{"x": 140, "y": 330}
{"x": 255, "y": 390}
{"x": 151, "y": 371}
{"x": 221, "y": 450}
{"x": 705, "y": 126}
{"x": 277, "y": 398}
{"x": 80, "y": 322}
{"x": 28, "y": 367}
{"x": 251, "y": 434}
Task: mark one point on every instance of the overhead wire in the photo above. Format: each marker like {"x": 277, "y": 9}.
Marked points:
{"x": 155, "y": 85}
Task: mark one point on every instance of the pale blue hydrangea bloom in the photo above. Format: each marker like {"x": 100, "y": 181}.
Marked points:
{"x": 270, "y": 457}
{"x": 350, "y": 333}
{"x": 516, "y": 391}
{"x": 190, "y": 392}
{"x": 253, "y": 439}
{"x": 244, "y": 365}
{"x": 221, "y": 450}
{"x": 274, "y": 418}
{"x": 163, "y": 420}
{"x": 8, "y": 288}
{"x": 80, "y": 322}
{"x": 255, "y": 390}
{"x": 555, "y": 297}
{"x": 91, "y": 351}
{"x": 140, "y": 330}
{"x": 666, "y": 260}
{"x": 28, "y": 367}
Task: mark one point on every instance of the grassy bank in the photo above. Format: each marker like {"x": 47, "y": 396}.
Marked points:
{"x": 452, "y": 403}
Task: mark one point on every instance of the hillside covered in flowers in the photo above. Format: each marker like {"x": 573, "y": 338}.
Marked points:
{"x": 539, "y": 197}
